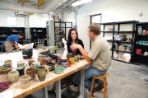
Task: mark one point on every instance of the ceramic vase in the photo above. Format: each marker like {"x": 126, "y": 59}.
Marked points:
{"x": 41, "y": 73}
{"x": 31, "y": 72}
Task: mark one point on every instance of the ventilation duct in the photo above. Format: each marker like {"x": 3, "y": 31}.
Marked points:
{"x": 22, "y": 14}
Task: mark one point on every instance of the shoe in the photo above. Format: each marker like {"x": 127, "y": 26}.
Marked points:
{"x": 69, "y": 94}
{"x": 74, "y": 88}
{"x": 98, "y": 88}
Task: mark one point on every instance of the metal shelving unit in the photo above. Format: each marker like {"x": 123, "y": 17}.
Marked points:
{"x": 140, "y": 49}
{"x": 38, "y": 35}
{"x": 61, "y": 29}
{"x": 121, "y": 46}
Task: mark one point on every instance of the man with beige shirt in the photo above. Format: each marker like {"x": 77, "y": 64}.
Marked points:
{"x": 99, "y": 55}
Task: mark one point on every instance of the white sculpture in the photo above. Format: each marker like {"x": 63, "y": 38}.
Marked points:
{"x": 64, "y": 56}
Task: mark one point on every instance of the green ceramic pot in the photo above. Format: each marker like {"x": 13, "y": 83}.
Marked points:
{"x": 41, "y": 73}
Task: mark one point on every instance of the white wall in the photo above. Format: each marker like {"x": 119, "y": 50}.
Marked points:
{"x": 35, "y": 20}
{"x": 38, "y": 20}
{"x": 112, "y": 10}
{"x": 5, "y": 15}
{"x": 69, "y": 16}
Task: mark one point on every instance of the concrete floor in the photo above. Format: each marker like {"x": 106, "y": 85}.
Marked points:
{"x": 124, "y": 81}
{"x": 127, "y": 81}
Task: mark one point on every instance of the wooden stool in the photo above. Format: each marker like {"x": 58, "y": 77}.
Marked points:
{"x": 103, "y": 78}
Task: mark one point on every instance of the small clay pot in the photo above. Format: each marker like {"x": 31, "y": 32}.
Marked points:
{"x": 30, "y": 62}
{"x": 21, "y": 71}
{"x": 31, "y": 72}
{"x": 24, "y": 81}
{"x": 13, "y": 76}
{"x": 8, "y": 62}
{"x": 20, "y": 65}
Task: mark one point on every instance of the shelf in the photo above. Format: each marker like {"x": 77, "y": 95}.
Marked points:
{"x": 124, "y": 32}
{"x": 107, "y": 31}
{"x": 108, "y": 23}
{"x": 141, "y": 55}
{"x": 141, "y": 37}
{"x": 140, "y": 59}
{"x": 126, "y": 22}
{"x": 110, "y": 41}
{"x": 121, "y": 61}
{"x": 120, "y": 41}
{"x": 122, "y": 51}
{"x": 140, "y": 47}
{"x": 142, "y": 24}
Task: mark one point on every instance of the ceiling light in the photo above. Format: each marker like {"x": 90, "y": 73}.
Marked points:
{"x": 80, "y": 2}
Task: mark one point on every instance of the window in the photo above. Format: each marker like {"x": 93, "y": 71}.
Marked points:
{"x": 96, "y": 18}
{"x": 11, "y": 21}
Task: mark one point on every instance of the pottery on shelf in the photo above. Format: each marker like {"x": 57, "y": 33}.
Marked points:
{"x": 13, "y": 76}
{"x": 41, "y": 73}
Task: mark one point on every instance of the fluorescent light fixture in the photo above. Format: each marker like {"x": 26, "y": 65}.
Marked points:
{"x": 80, "y": 2}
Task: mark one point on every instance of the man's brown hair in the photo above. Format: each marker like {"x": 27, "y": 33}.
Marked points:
{"x": 95, "y": 28}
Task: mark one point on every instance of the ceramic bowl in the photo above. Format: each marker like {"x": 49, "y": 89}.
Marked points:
{"x": 59, "y": 69}
{"x": 4, "y": 86}
{"x": 8, "y": 62}
{"x": 24, "y": 81}
{"x": 25, "y": 78}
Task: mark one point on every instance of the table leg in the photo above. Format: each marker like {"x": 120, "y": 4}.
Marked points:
{"x": 45, "y": 92}
{"x": 58, "y": 89}
{"x": 82, "y": 84}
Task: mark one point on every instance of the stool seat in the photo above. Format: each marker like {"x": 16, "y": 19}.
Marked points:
{"x": 104, "y": 79}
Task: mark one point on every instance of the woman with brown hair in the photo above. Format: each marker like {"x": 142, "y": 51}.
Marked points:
{"x": 73, "y": 39}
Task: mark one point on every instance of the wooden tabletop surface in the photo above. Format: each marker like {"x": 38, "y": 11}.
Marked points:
{"x": 36, "y": 85}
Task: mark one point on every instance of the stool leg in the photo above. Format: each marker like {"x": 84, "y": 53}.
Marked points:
{"x": 105, "y": 88}
{"x": 91, "y": 89}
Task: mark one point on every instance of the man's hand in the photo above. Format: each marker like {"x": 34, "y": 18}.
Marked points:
{"x": 75, "y": 46}
{"x": 83, "y": 52}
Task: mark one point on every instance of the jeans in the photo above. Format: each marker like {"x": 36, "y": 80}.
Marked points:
{"x": 89, "y": 74}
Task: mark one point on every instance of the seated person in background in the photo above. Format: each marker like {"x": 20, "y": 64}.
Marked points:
{"x": 99, "y": 56}
{"x": 11, "y": 42}
{"x": 73, "y": 39}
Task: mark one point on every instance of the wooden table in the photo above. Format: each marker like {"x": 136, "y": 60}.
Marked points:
{"x": 51, "y": 77}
